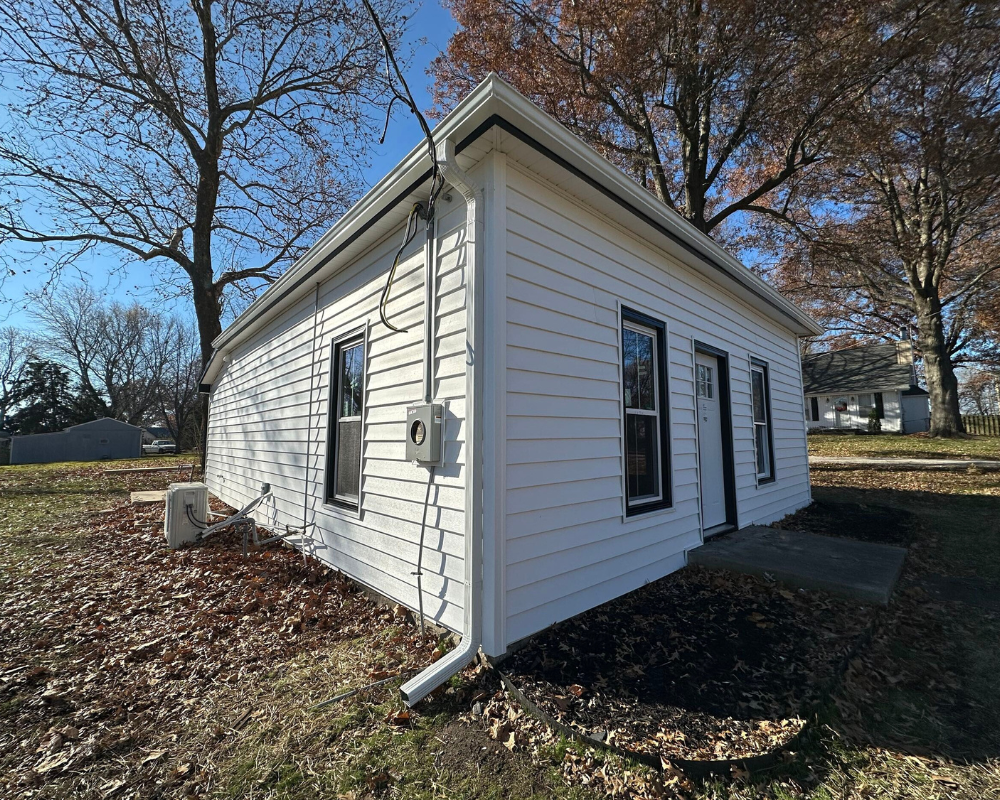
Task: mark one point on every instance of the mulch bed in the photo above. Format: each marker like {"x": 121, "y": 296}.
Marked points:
{"x": 698, "y": 665}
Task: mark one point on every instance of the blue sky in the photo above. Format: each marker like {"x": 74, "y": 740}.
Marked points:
{"x": 429, "y": 29}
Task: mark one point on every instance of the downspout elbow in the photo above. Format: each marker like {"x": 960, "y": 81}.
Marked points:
{"x": 417, "y": 688}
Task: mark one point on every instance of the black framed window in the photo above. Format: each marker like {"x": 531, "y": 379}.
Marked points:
{"x": 644, "y": 393}
{"x": 814, "y": 408}
{"x": 347, "y": 406}
{"x": 760, "y": 391}
{"x": 880, "y": 405}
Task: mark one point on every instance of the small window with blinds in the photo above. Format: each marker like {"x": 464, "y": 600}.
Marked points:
{"x": 347, "y": 405}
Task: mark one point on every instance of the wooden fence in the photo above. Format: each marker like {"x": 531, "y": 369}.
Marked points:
{"x": 988, "y": 425}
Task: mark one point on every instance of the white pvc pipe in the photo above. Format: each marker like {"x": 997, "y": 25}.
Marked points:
{"x": 430, "y": 301}
{"x": 418, "y": 687}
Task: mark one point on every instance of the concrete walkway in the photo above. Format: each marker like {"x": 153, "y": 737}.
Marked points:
{"x": 901, "y": 463}
{"x": 857, "y": 570}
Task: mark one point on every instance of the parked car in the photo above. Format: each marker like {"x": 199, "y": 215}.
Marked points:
{"x": 159, "y": 446}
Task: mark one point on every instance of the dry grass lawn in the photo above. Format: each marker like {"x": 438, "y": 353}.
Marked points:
{"x": 911, "y": 446}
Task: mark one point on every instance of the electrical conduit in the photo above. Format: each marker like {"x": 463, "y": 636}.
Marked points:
{"x": 417, "y": 688}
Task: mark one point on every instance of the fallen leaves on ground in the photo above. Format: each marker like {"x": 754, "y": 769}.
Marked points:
{"x": 698, "y": 665}
{"x": 110, "y": 651}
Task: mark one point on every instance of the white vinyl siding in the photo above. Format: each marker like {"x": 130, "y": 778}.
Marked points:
{"x": 269, "y": 418}
{"x": 857, "y": 415}
{"x": 568, "y": 544}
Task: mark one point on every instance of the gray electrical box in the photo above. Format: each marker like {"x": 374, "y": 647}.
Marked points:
{"x": 423, "y": 433}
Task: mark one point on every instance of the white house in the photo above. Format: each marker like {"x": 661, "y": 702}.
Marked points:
{"x": 843, "y": 386}
{"x": 613, "y": 386}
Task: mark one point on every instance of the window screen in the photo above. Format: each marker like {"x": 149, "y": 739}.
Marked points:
{"x": 347, "y": 407}
{"x": 643, "y": 393}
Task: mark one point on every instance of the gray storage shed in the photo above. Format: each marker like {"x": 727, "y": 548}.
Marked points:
{"x": 89, "y": 441}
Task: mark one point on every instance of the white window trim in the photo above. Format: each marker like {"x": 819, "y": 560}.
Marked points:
{"x": 646, "y": 518}
{"x": 654, "y": 334}
{"x": 328, "y": 505}
{"x": 761, "y": 366}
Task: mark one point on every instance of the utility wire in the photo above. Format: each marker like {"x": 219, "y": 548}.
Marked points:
{"x": 394, "y": 76}
{"x": 408, "y": 234}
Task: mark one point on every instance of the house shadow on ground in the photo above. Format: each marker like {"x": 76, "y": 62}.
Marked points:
{"x": 709, "y": 665}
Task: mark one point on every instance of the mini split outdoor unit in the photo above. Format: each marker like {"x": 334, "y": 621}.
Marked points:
{"x": 179, "y": 524}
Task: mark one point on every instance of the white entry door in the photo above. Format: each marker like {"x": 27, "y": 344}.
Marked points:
{"x": 710, "y": 452}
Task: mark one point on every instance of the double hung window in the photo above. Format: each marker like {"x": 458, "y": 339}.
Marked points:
{"x": 760, "y": 391}
{"x": 644, "y": 390}
{"x": 346, "y": 423}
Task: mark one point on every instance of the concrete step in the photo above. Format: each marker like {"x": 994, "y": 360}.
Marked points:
{"x": 862, "y": 571}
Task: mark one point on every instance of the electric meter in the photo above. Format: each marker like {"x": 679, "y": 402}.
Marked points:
{"x": 423, "y": 433}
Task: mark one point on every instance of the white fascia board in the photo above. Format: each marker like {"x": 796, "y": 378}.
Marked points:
{"x": 533, "y": 121}
{"x": 496, "y": 97}
{"x": 310, "y": 269}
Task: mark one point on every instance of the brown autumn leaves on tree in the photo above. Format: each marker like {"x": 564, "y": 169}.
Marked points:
{"x": 749, "y": 119}
{"x": 715, "y": 107}
{"x": 213, "y": 139}
{"x": 908, "y": 232}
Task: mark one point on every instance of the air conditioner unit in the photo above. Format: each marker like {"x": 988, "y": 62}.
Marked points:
{"x": 178, "y": 525}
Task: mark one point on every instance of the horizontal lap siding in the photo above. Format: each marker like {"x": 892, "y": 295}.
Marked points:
{"x": 269, "y": 420}
{"x": 568, "y": 547}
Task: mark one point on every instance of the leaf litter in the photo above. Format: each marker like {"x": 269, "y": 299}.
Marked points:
{"x": 698, "y": 665}
{"x": 111, "y": 645}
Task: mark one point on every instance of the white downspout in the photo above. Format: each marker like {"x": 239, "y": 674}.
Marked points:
{"x": 414, "y": 690}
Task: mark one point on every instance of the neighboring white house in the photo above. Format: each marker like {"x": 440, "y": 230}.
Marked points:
{"x": 843, "y": 386}
{"x": 613, "y": 385}
{"x": 90, "y": 441}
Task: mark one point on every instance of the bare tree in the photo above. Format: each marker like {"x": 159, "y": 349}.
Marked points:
{"x": 980, "y": 393}
{"x": 177, "y": 349}
{"x": 212, "y": 139}
{"x": 120, "y": 355}
{"x": 16, "y": 350}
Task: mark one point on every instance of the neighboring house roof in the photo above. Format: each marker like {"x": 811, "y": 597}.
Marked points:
{"x": 105, "y": 423}
{"x": 870, "y": 368}
{"x": 495, "y": 115}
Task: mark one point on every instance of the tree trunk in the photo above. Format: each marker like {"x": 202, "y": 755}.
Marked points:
{"x": 207, "y": 295}
{"x": 946, "y": 417}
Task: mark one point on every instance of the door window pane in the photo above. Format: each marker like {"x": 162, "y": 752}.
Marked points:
{"x": 704, "y": 382}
